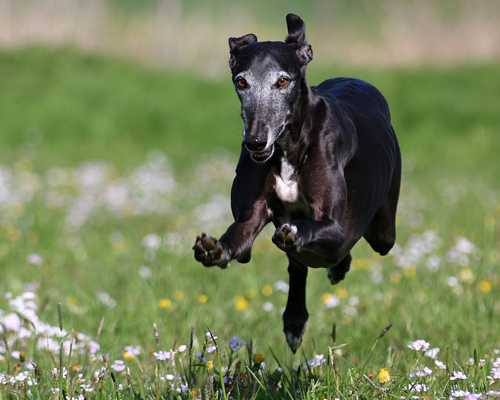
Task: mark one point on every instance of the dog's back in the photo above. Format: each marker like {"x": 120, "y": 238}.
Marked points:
{"x": 373, "y": 173}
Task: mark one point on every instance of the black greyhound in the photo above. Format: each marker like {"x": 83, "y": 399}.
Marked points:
{"x": 321, "y": 163}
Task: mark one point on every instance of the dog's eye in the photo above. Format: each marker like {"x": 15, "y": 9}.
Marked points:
{"x": 282, "y": 82}
{"x": 241, "y": 83}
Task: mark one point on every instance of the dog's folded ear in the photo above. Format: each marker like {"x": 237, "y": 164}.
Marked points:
{"x": 235, "y": 44}
{"x": 297, "y": 38}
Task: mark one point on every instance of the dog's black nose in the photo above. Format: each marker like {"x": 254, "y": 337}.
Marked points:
{"x": 255, "y": 145}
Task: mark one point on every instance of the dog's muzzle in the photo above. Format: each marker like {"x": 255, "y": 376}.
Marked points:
{"x": 262, "y": 156}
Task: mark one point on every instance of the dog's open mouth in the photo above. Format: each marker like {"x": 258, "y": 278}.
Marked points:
{"x": 262, "y": 156}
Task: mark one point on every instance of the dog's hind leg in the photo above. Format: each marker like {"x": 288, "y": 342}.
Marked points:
{"x": 295, "y": 316}
{"x": 337, "y": 273}
{"x": 381, "y": 232}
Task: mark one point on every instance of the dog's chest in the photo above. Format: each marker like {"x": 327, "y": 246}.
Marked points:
{"x": 286, "y": 185}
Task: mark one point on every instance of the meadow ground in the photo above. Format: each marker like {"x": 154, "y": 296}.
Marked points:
{"x": 109, "y": 170}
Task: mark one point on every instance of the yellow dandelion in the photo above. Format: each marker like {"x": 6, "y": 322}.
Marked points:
{"x": 128, "y": 356}
{"x": 342, "y": 293}
{"x": 384, "y": 376}
{"x": 258, "y": 358}
{"x": 179, "y": 295}
{"x": 266, "y": 290}
{"x": 484, "y": 286}
{"x": 410, "y": 271}
{"x": 209, "y": 365}
{"x": 241, "y": 303}
{"x": 250, "y": 294}
{"x": 164, "y": 303}
{"x": 75, "y": 368}
{"x": 202, "y": 298}
{"x": 193, "y": 392}
{"x": 395, "y": 277}
{"x": 71, "y": 302}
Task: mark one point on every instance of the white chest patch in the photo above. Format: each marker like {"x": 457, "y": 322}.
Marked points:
{"x": 286, "y": 186}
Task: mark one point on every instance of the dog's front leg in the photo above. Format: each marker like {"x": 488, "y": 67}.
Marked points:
{"x": 322, "y": 234}
{"x": 235, "y": 244}
{"x": 295, "y": 316}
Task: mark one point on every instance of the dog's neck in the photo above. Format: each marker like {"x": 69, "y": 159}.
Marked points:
{"x": 291, "y": 140}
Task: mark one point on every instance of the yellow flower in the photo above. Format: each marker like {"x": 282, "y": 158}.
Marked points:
{"x": 128, "y": 356}
{"x": 179, "y": 295}
{"x": 410, "y": 271}
{"x": 342, "y": 293}
{"x": 267, "y": 290}
{"x": 202, "y": 298}
{"x": 384, "y": 376}
{"x": 395, "y": 277}
{"x": 164, "y": 303}
{"x": 258, "y": 358}
{"x": 209, "y": 365}
{"x": 484, "y": 286}
{"x": 250, "y": 294}
{"x": 241, "y": 303}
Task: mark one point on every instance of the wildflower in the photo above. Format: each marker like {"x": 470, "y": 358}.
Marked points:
{"x": 421, "y": 373}
{"x": 439, "y": 364}
{"x": 417, "y": 387}
{"x": 330, "y": 300}
{"x": 132, "y": 351}
{"x": 318, "y": 360}
{"x": 342, "y": 293}
{"x": 202, "y": 298}
{"x": 384, "y": 376}
{"x": 145, "y": 272}
{"x": 258, "y": 358}
{"x": 266, "y": 290}
{"x": 267, "y": 306}
{"x": 118, "y": 366}
{"x": 235, "y": 343}
{"x": 484, "y": 286}
{"x": 282, "y": 286}
{"x": 151, "y": 241}
{"x": 250, "y": 294}
{"x": 182, "y": 348}
{"x": 179, "y": 295}
{"x": 209, "y": 365}
{"x": 241, "y": 304}
{"x": 211, "y": 349}
{"x": 419, "y": 345}
{"x": 163, "y": 355}
{"x": 458, "y": 375}
{"x": 432, "y": 353}
{"x": 164, "y": 303}
{"x": 35, "y": 259}
{"x": 410, "y": 271}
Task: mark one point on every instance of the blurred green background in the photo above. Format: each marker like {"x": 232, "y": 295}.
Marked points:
{"x": 111, "y": 86}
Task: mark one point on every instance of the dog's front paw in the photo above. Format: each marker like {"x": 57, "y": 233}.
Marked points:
{"x": 209, "y": 251}
{"x": 287, "y": 238}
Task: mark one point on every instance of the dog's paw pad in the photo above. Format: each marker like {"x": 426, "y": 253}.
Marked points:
{"x": 207, "y": 250}
{"x": 287, "y": 238}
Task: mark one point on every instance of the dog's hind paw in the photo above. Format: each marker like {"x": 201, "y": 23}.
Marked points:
{"x": 287, "y": 238}
{"x": 210, "y": 252}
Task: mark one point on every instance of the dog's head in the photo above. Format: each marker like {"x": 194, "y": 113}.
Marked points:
{"x": 267, "y": 78}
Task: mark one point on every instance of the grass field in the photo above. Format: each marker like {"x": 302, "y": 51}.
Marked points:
{"x": 109, "y": 170}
